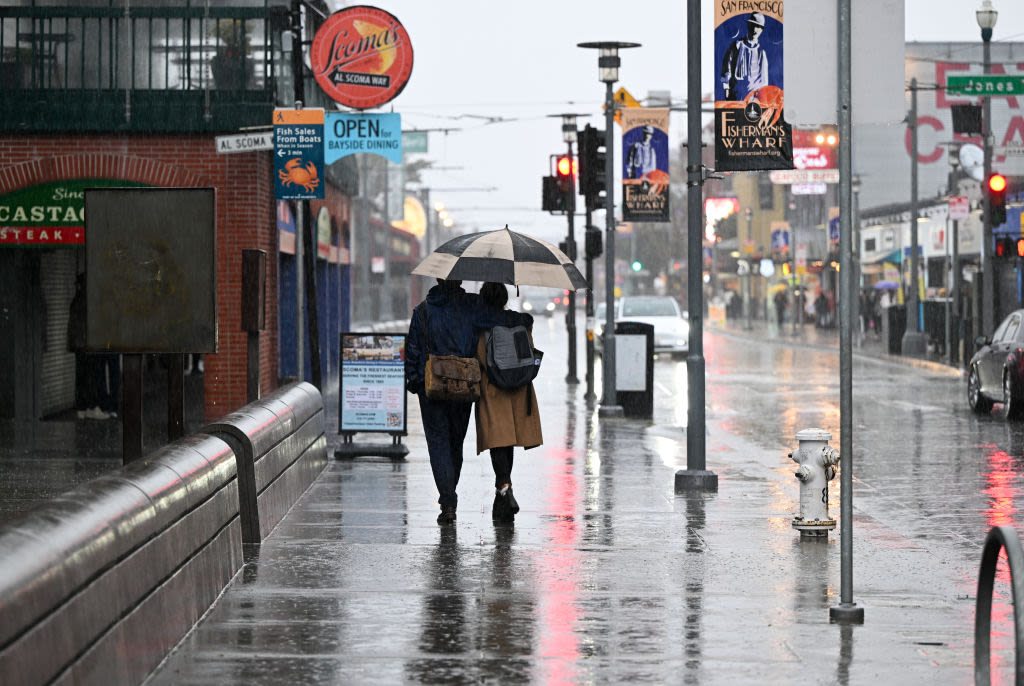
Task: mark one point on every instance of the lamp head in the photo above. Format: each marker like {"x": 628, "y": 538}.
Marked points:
{"x": 986, "y": 17}
{"x": 608, "y": 61}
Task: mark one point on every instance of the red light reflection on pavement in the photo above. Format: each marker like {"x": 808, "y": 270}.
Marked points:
{"x": 559, "y": 569}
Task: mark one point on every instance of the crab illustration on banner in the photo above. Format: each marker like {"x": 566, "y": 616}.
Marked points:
{"x": 751, "y": 132}
{"x": 645, "y": 177}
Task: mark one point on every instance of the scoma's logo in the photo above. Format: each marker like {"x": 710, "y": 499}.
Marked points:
{"x": 362, "y": 57}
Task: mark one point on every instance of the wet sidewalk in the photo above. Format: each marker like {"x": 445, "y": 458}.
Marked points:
{"x": 607, "y": 575}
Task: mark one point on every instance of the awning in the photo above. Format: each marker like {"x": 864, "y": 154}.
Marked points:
{"x": 893, "y": 256}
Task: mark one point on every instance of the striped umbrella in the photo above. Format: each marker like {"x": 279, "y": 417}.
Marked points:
{"x": 502, "y": 256}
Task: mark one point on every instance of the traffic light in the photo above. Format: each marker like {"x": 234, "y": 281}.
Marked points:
{"x": 564, "y": 170}
{"x": 637, "y": 265}
{"x": 553, "y": 197}
{"x": 1020, "y": 247}
{"x": 996, "y": 189}
{"x": 592, "y": 161}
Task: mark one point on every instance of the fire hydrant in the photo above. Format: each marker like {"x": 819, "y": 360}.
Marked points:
{"x": 817, "y": 462}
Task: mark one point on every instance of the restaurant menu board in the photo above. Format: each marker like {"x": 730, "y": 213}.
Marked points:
{"x": 372, "y": 383}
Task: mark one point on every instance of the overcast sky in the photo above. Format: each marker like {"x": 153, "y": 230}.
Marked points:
{"x": 516, "y": 63}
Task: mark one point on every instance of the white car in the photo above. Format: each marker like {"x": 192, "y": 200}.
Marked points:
{"x": 671, "y": 328}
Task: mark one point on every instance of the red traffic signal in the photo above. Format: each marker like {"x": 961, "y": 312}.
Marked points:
{"x": 996, "y": 192}
{"x": 566, "y": 166}
{"x": 1020, "y": 247}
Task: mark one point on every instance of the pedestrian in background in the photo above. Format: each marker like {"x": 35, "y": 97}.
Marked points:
{"x": 780, "y": 307}
{"x": 442, "y": 325}
{"x": 505, "y": 418}
{"x": 97, "y": 375}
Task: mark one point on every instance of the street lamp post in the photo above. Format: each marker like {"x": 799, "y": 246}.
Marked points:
{"x": 608, "y": 64}
{"x": 569, "y": 137}
{"x": 745, "y": 256}
{"x": 986, "y": 17}
{"x": 857, "y": 275}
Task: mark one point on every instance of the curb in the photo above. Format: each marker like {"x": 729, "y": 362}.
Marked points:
{"x": 918, "y": 363}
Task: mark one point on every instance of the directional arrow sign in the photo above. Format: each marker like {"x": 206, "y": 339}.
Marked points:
{"x": 299, "y": 154}
{"x": 985, "y": 86}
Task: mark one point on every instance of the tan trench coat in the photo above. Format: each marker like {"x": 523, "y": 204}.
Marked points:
{"x": 501, "y": 415}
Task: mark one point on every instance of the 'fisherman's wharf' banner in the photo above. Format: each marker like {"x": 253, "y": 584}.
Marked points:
{"x": 645, "y": 178}
{"x": 750, "y": 130}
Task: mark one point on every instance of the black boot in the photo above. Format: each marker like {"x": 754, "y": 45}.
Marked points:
{"x": 447, "y": 516}
{"x": 505, "y": 506}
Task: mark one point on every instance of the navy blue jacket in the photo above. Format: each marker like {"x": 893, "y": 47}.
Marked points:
{"x": 453, "y": 318}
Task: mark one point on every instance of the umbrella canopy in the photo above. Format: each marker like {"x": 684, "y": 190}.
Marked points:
{"x": 772, "y": 290}
{"x": 886, "y": 286}
{"x": 502, "y": 256}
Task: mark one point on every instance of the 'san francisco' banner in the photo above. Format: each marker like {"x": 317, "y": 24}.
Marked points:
{"x": 645, "y": 164}
{"x": 750, "y": 130}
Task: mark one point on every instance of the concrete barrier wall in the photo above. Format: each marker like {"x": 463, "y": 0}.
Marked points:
{"x": 98, "y": 585}
{"x": 282, "y": 447}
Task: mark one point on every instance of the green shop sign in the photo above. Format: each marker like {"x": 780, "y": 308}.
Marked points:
{"x": 50, "y": 214}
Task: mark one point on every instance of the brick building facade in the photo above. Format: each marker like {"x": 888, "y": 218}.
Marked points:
{"x": 245, "y": 219}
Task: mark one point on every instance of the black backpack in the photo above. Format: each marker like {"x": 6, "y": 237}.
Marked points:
{"x": 511, "y": 361}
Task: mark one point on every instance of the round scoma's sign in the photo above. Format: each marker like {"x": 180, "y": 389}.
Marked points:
{"x": 362, "y": 57}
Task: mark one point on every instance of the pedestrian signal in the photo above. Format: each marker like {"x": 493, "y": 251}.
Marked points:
{"x": 1005, "y": 247}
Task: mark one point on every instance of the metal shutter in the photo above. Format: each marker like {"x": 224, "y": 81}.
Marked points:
{"x": 57, "y": 277}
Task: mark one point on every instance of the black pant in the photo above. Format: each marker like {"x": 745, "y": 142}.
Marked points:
{"x": 444, "y": 426}
{"x": 501, "y": 461}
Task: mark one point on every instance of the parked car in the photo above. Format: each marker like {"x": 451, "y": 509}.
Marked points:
{"x": 996, "y": 372}
{"x": 671, "y": 328}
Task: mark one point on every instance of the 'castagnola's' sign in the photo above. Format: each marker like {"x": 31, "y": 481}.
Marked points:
{"x": 750, "y": 130}
{"x": 50, "y": 214}
{"x": 361, "y": 57}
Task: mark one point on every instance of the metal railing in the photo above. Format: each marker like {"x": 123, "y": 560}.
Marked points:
{"x": 999, "y": 538}
{"x": 170, "y": 68}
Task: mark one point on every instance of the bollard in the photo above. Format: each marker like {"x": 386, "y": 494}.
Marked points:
{"x": 817, "y": 462}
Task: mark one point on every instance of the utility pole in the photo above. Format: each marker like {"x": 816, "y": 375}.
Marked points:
{"x": 696, "y": 475}
{"x": 305, "y": 256}
{"x": 986, "y": 17}
{"x": 914, "y": 344}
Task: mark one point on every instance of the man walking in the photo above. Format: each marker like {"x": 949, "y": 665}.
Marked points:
{"x": 442, "y": 325}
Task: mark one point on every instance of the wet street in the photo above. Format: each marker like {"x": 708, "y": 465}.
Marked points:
{"x": 608, "y": 576}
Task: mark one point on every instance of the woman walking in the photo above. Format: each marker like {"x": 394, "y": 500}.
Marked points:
{"x": 505, "y": 418}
